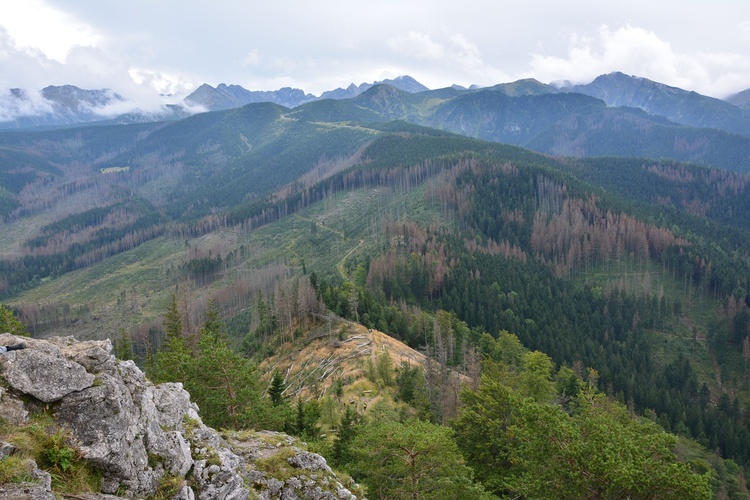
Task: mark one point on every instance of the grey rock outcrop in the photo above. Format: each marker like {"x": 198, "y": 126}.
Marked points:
{"x": 32, "y": 372}
{"x": 140, "y": 435}
{"x": 302, "y": 474}
{"x": 136, "y": 433}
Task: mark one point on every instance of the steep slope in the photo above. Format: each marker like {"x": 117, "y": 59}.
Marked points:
{"x": 334, "y": 353}
{"x": 495, "y": 116}
{"x": 675, "y": 104}
{"x": 628, "y": 132}
{"x": 740, "y": 99}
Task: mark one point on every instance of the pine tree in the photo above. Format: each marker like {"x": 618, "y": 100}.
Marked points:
{"x": 342, "y": 453}
{"x": 225, "y": 385}
{"x": 175, "y": 360}
{"x": 124, "y": 346}
{"x": 276, "y": 390}
{"x": 173, "y": 319}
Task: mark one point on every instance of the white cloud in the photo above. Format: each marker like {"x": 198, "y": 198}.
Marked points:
{"x": 444, "y": 59}
{"x": 33, "y": 25}
{"x": 417, "y": 45}
{"x": 162, "y": 83}
{"x": 641, "y": 52}
{"x": 140, "y": 48}
{"x": 253, "y": 58}
{"x": 24, "y": 68}
{"x": 14, "y": 104}
{"x": 41, "y": 45}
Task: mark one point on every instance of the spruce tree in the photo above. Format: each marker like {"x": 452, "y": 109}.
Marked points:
{"x": 276, "y": 390}
{"x": 342, "y": 454}
{"x": 174, "y": 362}
{"x": 173, "y": 319}
{"x": 300, "y": 423}
{"x": 226, "y": 385}
{"x": 124, "y": 346}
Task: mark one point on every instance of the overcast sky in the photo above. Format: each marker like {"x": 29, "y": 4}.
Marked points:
{"x": 140, "y": 47}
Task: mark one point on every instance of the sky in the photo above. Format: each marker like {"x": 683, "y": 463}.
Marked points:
{"x": 143, "y": 48}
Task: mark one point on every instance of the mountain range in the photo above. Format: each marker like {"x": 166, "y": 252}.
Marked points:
{"x": 227, "y": 150}
{"x": 59, "y": 106}
{"x": 233, "y": 96}
{"x": 69, "y": 105}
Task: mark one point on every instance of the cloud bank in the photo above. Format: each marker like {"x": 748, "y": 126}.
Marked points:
{"x": 636, "y": 51}
{"x": 144, "y": 50}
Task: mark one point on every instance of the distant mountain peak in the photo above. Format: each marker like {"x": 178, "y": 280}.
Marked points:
{"x": 55, "y": 105}
{"x": 526, "y": 86}
{"x": 407, "y": 84}
{"x": 70, "y": 95}
{"x": 740, "y": 99}
{"x": 404, "y": 82}
{"x": 233, "y": 96}
{"x": 677, "y": 105}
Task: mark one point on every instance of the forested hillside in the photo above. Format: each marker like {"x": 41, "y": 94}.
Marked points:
{"x": 564, "y": 124}
{"x": 591, "y": 293}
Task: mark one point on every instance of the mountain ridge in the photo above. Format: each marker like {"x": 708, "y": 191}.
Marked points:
{"x": 677, "y": 105}
{"x": 69, "y": 105}
{"x": 234, "y": 96}
{"x": 404, "y": 82}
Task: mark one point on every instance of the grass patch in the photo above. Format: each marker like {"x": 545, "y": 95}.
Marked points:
{"x": 169, "y": 486}
{"x": 274, "y": 439}
{"x": 15, "y": 469}
{"x": 53, "y": 450}
{"x": 277, "y": 465}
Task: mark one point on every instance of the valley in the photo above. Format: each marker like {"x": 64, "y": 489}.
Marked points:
{"x": 338, "y": 230}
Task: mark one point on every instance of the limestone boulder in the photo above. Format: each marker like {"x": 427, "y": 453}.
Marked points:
{"x": 41, "y": 370}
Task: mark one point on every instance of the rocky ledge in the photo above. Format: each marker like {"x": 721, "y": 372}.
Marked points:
{"x": 140, "y": 436}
